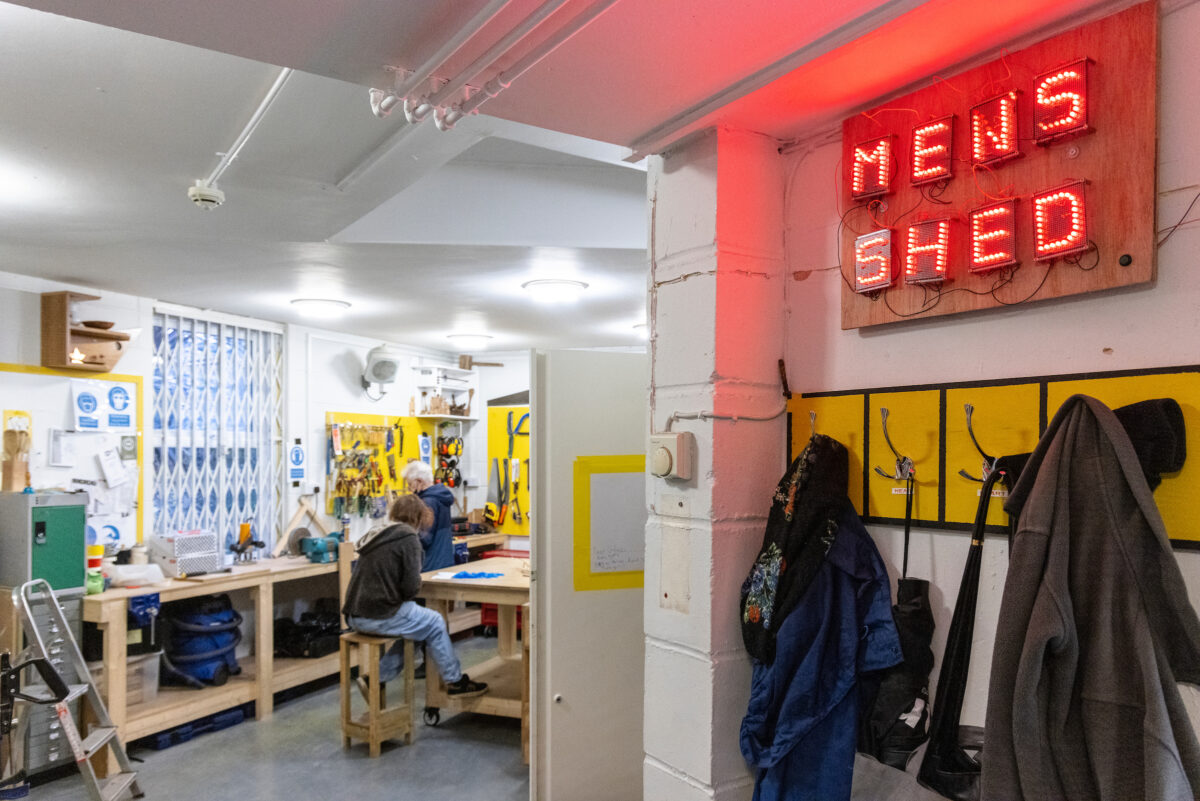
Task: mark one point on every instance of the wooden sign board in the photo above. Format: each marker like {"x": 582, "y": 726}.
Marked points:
{"x": 1028, "y": 178}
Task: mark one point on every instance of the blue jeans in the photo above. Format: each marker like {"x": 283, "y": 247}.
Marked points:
{"x": 416, "y": 623}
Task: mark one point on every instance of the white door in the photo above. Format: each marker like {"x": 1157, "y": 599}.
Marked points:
{"x": 588, "y": 407}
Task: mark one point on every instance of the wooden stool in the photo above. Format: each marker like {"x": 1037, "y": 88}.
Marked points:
{"x": 379, "y": 722}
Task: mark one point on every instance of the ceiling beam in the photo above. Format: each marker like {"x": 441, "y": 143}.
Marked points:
{"x": 672, "y": 130}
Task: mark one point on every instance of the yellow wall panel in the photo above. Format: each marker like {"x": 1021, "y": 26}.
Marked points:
{"x": 914, "y": 425}
{"x": 497, "y": 448}
{"x": 1176, "y": 496}
{"x": 402, "y": 452}
{"x": 1005, "y": 421}
{"x": 840, "y": 417}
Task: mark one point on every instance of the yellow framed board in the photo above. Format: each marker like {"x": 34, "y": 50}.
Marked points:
{"x": 39, "y": 431}
{"x": 609, "y": 522}
{"x": 928, "y": 424}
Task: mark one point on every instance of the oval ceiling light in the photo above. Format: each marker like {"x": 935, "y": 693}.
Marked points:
{"x": 323, "y": 308}
{"x": 554, "y": 290}
{"x": 470, "y": 341}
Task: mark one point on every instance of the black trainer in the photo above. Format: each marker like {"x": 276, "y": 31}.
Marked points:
{"x": 465, "y": 688}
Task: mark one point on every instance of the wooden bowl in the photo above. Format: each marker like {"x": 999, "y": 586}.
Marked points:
{"x": 103, "y": 325}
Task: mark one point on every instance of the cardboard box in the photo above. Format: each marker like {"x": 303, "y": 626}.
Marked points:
{"x": 12, "y": 478}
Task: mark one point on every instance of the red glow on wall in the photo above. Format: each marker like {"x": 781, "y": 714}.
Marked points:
{"x": 994, "y": 129}
{"x": 871, "y": 173}
{"x": 928, "y": 253}
{"x": 1060, "y": 222}
{"x": 873, "y": 261}
{"x": 1060, "y": 103}
{"x": 994, "y": 236}
{"x": 932, "y": 150}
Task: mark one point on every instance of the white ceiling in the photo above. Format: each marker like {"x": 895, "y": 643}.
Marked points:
{"x": 102, "y": 129}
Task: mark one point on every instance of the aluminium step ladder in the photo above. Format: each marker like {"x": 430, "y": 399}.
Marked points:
{"x": 102, "y": 733}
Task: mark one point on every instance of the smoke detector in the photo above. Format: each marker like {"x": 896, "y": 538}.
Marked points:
{"x": 205, "y": 195}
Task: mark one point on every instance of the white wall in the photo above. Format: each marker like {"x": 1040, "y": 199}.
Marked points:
{"x": 1140, "y": 327}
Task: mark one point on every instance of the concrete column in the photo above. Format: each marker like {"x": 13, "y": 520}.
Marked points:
{"x": 717, "y": 312}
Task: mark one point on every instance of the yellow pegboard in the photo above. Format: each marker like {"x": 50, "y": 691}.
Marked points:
{"x": 914, "y": 428}
{"x": 840, "y": 417}
{"x": 1005, "y": 421}
{"x": 1176, "y": 496}
{"x": 498, "y": 417}
{"x": 412, "y": 427}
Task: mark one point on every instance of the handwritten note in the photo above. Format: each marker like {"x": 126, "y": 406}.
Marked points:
{"x": 618, "y": 522}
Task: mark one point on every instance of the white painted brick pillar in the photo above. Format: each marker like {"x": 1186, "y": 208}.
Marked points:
{"x": 717, "y": 332}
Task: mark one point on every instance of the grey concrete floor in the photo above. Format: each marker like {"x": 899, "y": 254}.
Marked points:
{"x": 297, "y": 755}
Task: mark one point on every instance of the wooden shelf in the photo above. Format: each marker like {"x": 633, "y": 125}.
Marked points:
{"x": 288, "y": 673}
{"x": 446, "y": 417}
{"x": 101, "y": 348}
{"x": 175, "y": 705}
{"x": 466, "y": 617}
{"x": 98, "y": 333}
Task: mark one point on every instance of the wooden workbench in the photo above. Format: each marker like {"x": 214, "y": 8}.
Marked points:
{"x": 507, "y": 673}
{"x": 262, "y": 674}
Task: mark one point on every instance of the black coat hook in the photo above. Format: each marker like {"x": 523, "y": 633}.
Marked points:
{"x": 989, "y": 462}
{"x": 904, "y": 465}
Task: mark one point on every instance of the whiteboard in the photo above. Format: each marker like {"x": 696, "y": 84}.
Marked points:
{"x": 48, "y": 398}
{"x": 618, "y": 522}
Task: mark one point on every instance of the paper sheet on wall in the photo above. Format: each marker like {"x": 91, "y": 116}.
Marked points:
{"x": 618, "y": 512}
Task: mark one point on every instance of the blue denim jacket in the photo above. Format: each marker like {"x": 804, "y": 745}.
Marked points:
{"x": 438, "y": 540}
{"x": 801, "y": 724}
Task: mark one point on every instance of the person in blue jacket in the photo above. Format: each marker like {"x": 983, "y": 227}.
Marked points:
{"x": 437, "y": 540}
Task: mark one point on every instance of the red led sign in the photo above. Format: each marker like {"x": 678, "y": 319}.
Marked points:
{"x": 873, "y": 261}
{"x": 1060, "y": 222}
{"x": 994, "y": 130}
{"x": 928, "y": 252}
{"x": 1061, "y": 103}
{"x": 990, "y": 178}
{"x": 993, "y": 237}
{"x": 871, "y": 173}
{"x": 932, "y": 151}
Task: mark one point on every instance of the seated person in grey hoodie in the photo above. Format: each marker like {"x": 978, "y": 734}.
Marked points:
{"x": 379, "y": 600}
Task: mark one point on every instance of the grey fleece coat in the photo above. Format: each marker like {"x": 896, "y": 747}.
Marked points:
{"x": 1095, "y": 630}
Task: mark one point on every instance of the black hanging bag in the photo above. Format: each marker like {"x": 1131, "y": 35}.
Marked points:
{"x": 896, "y": 721}
{"x": 948, "y": 768}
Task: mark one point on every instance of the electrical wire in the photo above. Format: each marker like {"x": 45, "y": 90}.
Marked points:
{"x": 1171, "y": 231}
{"x": 713, "y": 416}
{"x": 1077, "y": 259}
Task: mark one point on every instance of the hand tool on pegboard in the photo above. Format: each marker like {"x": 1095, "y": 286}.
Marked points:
{"x": 516, "y": 491}
{"x": 491, "y": 510}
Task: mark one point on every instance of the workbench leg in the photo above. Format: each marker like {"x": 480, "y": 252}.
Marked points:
{"x": 264, "y": 648}
{"x": 113, "y": 624}
{"x": 506, "y": 631}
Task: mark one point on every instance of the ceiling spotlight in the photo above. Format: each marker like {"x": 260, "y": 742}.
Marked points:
{"x": 554, "y": 290}
{"x": 470, "y": 341}
{"x": 320, "y": 308}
